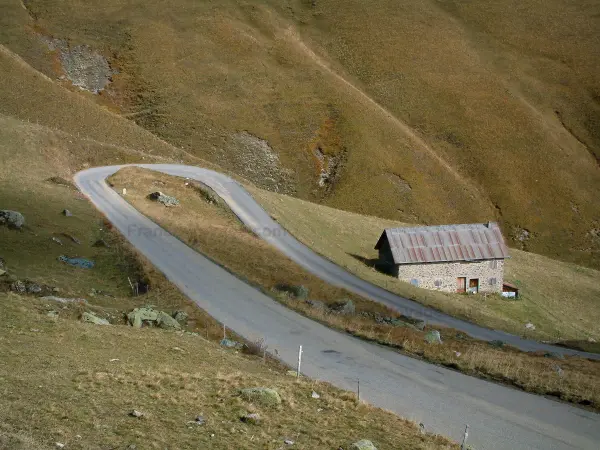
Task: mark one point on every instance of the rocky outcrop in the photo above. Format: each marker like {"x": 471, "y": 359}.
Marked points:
{"x": 12, "y": 219}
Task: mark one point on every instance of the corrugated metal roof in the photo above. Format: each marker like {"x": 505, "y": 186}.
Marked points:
{"x": 444, "y": 243}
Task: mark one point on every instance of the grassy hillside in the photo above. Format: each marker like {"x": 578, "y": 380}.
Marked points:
{"x": 427, "y": 111}
{"x": 212, "y": 229}
{"x": 560, "y": 299}
{"x": 74, "y": 383}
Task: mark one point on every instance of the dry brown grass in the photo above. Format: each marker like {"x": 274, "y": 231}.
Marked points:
{"x": 215, "y": 232}
{"x": 63, "y": 387}
{"x": 486, "y": 109}
{"x": 58, "y": 381}
{"x": 561, "y": 299}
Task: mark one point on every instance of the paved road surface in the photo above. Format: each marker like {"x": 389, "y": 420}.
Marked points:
{"x": 444, "y": 400}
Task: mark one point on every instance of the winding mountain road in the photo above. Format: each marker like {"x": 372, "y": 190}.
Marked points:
{"x": 499, "y": 417}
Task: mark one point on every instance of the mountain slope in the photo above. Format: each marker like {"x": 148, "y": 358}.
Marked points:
{"x": 423, "y": 111}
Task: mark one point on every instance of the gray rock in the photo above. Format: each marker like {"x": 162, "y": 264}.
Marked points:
{"x": 92, "y": 318}
{"x": 345, "y": 308}
{"x": 315, "y": 395}
{"x": 317, "y": 304}
{"x": 288, "y": 442}
{"x": 261, "y": 395}
{"x": 33, "y": 288}
{"x": 52, "y": 314}
{"x": 253, "y": 419}
{"x": 166, "y": 200}
{"x": 12, "y": 219}
{"x": 180, "y": 316}
{"x": 167, "y": 322}
{"x": 199, "y": 420}
{"x": 138, "y": 316}
{"x": 136, "y": 413}
{"x": 433, "y": 337}
{"x": 57, "y": 240}
{"x": 77, "y": 262}
{"x": 52, "y": 298}
{"x": 19, "y": 287}
{"x": 558, "y": 370}
{"x": 229, "y": 343}
{"x": 363, "y": 444}
{"x": 67, "y": 213}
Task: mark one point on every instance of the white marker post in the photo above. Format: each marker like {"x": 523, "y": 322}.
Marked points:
{"x": 299, "y": 362}
{"x": 466, "y": 435}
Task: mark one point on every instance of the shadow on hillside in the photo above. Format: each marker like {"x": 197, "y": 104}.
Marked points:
{"x": 375, "y": 263}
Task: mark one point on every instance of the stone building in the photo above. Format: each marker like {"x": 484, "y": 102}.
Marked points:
{"x": 451, "y": 258}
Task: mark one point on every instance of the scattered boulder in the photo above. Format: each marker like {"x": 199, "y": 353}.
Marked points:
{"x": 167, "y": 322}
{"x": 52, "y": 298}
{"x": 180, "y": 316}
{"x": 166, "y": 200}
{"x": 67, "y": 213}
{"x": 149, "y": 316}
{"x": 261, "y": 395}
{"x": 77, "y": 262}
{"x": 558, "y": 370}
{"x": 137, "y": 414}
{"x": 18, "y": 286}
{"x": 530, "y": 326}
{"x": 199, "y": 420}
{"x": 317, "y": 304}
{"x": 138, "y": 316}
{"x": 12, "y": 219}
{"x": 92, "y": 318}
{"x": 433, "y": 337}
{"x": 253, "y": 419}
{"x": 288, "y": 442}
{"x": 229, "y": 343}
{"x": 57, "y": 240}
{"x": 345, "y": 308}
{"x": 363, "y": 444}
{"x": 315, "y": 395}
{"x": 33, "y": 288}
{"x": 52, "y": 314}
{"x": 101, "y": 243}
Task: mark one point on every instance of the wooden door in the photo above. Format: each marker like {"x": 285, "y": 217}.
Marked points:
{"x": 461, "y": 284}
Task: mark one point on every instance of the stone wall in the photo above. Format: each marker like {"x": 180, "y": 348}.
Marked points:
{"x": 443, "y": 276}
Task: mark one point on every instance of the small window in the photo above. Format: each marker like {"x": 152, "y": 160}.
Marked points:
{"x": 494, "y": 264}
{"x": 493, "y": 282}
{"x": 414, "y": 282}
{"x": 438, "y": 283}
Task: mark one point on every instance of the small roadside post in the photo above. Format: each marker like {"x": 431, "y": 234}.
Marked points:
{"x": 299, "y": 362}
